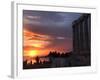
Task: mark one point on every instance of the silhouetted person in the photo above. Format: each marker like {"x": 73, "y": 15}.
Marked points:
{"x": 25, "y": 62}
{"x": 40, "y": 62}
{"x": 37, "y": 60}
{"x": 31, "y": 63}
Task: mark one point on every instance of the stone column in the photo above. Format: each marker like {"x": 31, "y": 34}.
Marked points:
{"x": 81, "y": 35}
{"x": 74, "y": 38}
{"x": 89, "y": 30}
{"x": 86, "y": 31}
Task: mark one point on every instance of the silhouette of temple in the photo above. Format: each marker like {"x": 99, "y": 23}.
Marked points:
{"x": 81, "y": 39}
{"x": 82, "y": 34}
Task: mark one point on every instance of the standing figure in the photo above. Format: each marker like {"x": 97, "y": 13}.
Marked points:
{"x": 37, "y": 60}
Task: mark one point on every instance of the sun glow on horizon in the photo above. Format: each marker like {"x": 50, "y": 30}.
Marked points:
{"x": 32, "y": 53}
{"x": 36, "y": 44}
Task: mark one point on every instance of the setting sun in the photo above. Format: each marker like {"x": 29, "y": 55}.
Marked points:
{"x": 32, "y": 53}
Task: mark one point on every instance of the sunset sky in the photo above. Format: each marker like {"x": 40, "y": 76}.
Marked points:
{"x": 45, "y": 31}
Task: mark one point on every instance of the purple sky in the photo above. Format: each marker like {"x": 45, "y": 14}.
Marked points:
{"x": 55, "y": 24}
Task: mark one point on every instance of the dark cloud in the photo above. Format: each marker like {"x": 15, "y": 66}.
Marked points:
{"x": 52, "y": 31}
{"x": 54, "y": 24}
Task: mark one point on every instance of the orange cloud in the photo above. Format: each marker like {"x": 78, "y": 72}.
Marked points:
{"x": 34, "y": 43}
